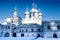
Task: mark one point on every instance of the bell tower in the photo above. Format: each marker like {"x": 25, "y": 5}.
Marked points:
{"x": 15, "y": 12}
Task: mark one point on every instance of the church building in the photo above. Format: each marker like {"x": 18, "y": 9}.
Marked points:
{"x": 31, "y": 26}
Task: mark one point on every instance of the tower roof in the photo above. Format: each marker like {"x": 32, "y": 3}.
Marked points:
{"x": 15, "y": 9}
{"x": 26, "y": 12}
{"x": 15, "y": 12}
{"x": 40, "y": 12}
{"x": 33, "y": 9}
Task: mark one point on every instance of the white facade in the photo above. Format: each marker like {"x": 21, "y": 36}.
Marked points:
{"x": 30, "y": 26}
{"x": 13, "y": 20}
{"x": 32, "y": 16}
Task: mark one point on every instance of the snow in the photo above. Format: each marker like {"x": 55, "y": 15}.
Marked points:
{"x": 4, "y": 23}
{"x": 8, "y": 19}
{"x": 27, "y": 12}
{"x": 26, "y": 38}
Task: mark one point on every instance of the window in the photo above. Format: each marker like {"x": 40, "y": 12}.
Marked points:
{"x": 14, "y": 28}
{"x": 38, "y": 30}
{"x": 58, "y": 26}
{"x": 14, "y": 34}
{"x": 32, "y": 30}
{"x": 6, "y": 27}
{"x": 54, "y": 35}
{"x": 38, "y": 35}
{"x": 22, "y": 35}
{"x": 12, "y": 21}
{"x": 7, "y": 34}
{"x": 26, "y": 30}
{"x": 48, "y": 27}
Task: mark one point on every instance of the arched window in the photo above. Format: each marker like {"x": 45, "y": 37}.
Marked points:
{"x": 54, "y": 35}
{"x": 22, "y": 35}
{"x": 6, "y": 34}
{"x": 38, "y": 30}
{"x": 6, "y": 27}
{"x": 14, "y": 28}
{"x": 12, "y": 21}
{"x": 58, "y": 26}
{"x": 14, "y": 34}
{"x": 38, "y": 35}
{"x": 48, "y": 27}
{"x": 32, "y": 30}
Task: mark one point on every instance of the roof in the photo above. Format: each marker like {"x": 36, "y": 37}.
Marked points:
{"x": 30, "y": 25}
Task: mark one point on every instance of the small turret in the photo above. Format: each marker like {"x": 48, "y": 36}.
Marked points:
{"x": 33, "y": 10}
{"x": 27, "y": 14}
{"x": 40, "y": 17}
{"x": 40, "y": 14}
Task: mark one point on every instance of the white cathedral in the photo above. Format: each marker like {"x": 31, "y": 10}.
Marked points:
{"x": 30, "y": 26}
{"x": 32, "y": 16}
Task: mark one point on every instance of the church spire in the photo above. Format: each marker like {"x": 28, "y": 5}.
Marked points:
{"x": 33, "y": 5}
{"x": 33, "y": 9}
{"x": 15, "y": 12}
{"x": 27, "y": 9}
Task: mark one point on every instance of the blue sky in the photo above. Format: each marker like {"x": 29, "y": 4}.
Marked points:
{"x": 49, "y": 8}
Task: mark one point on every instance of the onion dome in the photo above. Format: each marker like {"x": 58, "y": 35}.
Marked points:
{"x": 27, "y": 12}
{"x": 36, "y": 10}
{"x": 33, "y": 9}
{"x": 40, "y": 13}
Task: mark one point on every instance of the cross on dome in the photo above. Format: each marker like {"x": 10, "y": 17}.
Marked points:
{"x": 27, "y": 12}
{"x": 33, "y": 5}
{"x": 27, "y": 8}
{"x": 15, "y": 9}
{"x": 40, "y": 12}
{"x": 33, "y": 9}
